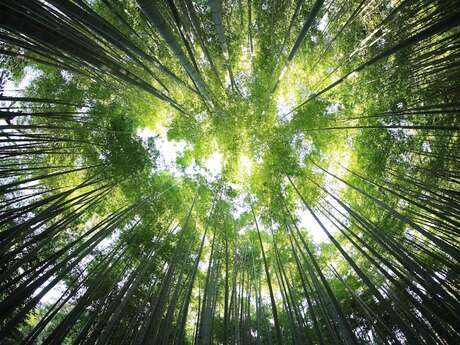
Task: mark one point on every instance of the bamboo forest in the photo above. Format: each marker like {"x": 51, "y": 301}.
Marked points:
{"x": 236, "y": 172}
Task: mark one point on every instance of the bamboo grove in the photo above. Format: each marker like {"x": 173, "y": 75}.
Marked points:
{"x": 331, "y": 117}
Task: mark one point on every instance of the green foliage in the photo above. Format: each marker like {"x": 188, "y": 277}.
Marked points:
{"x": 332, "y": 217}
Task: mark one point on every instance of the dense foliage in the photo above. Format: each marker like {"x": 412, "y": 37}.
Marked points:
{"x": 229, "y": 172}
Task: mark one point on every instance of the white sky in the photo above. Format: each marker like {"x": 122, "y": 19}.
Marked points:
{"x": 170, "y": 150}
{"x": 53, "y": 294}
{"x": 29, "y": 75}
{"x": 308, "y": 222}
{"x": 284, "y": 104}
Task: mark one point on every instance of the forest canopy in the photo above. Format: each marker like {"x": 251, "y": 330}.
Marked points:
{"x": 229, "y": 172}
